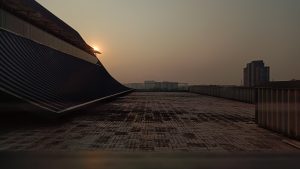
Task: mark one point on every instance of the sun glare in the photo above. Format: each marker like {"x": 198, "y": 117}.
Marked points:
{"x": 97, "y": 49}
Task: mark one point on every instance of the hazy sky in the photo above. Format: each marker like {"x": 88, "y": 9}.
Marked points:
{"x": 194, "y": 41}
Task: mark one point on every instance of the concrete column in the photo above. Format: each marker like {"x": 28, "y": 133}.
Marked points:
{"x": 281, "y": 111}
{"x": 258, "y": 110}
{"x": 297, "y": 110}
{"x": 273, "y": 114}
{"x": 223, "y": 93}
{"x": 285, "y": 111}
{"x": 264, "y": 107}
{"x": 250, "y": 95}
{"x": 277, "y": 109}
{"x": 268, "y": 108}
{"x": 292, "y": 113}
{"x": 240, "y": 94}
{"x": 244, "y": 96}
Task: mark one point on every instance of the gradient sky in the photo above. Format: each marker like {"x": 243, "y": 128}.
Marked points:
{"x": 194, "y": 41}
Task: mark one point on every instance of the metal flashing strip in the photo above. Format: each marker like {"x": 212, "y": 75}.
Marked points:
{"x": 68, "y": 109}
{"x": 26, "y": 100}
{"x": 94, "y": 101}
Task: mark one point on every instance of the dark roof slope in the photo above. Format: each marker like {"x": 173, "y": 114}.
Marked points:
{"x": 36, "y": 14}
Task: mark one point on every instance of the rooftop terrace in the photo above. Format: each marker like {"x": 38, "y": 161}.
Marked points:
{"x": 155, "y": 122}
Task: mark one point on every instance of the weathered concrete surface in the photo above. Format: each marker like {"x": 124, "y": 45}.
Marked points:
{"x": 160, "y": 122}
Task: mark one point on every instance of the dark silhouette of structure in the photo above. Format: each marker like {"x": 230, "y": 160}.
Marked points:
{"x": 256, "y": 73}
{"x": 45, "y": 64}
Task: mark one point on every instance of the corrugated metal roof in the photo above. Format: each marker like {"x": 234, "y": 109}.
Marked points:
{"x": 36, "y": 14}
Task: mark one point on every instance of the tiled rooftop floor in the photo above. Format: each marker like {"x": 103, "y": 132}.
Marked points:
{"x": 160, "y": 122}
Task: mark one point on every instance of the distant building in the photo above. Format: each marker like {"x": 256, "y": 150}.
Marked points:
{"x": 183, "y": 86}
{"x": 256, "y": 73}
{"x": 151, "y": 85}
{"x": 138, "y": 86}
{"x": 161, "y": 86}
{"x": 169, "y": 86}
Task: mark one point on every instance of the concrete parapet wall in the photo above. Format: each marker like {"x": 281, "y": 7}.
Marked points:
{"x": 278, "y": 109}
{"x": 243, "y": 94}
{"x": 277, "y": 103}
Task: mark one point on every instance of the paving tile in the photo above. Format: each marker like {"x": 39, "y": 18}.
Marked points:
{"x": 152, "y": 122}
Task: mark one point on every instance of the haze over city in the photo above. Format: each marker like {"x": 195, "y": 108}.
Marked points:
{"x": 194, "y": 41}
{"x": 150, "y": 84}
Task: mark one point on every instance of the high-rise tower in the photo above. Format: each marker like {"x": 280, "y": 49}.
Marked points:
{"x": 256, "y": 73}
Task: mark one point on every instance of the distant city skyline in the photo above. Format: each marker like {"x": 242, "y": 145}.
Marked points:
{"x": 192, "y": 41}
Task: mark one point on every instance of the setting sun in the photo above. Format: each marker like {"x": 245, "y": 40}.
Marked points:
{"x": 96, "y": 50}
